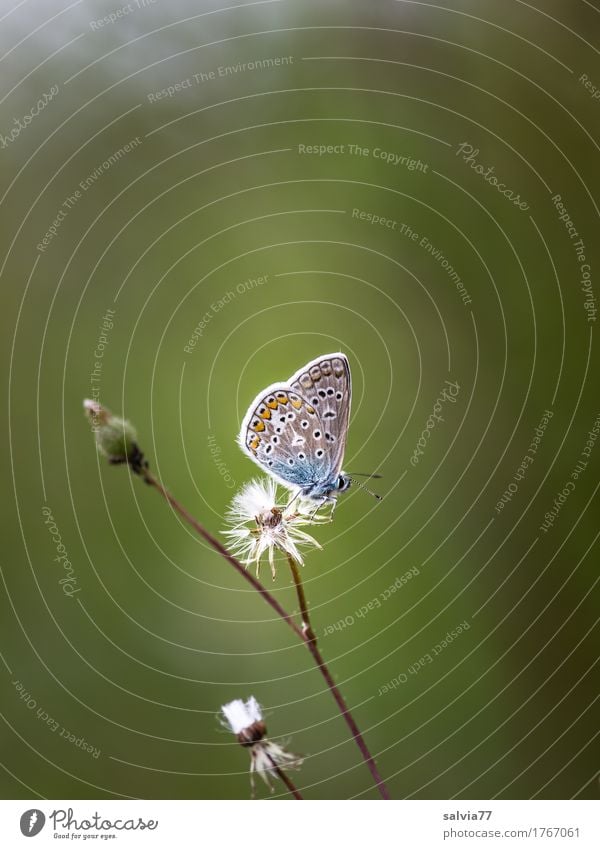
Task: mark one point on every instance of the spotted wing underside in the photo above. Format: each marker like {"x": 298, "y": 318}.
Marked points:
{"x": 326, "y": 384}
{"x": 297, "y": 430}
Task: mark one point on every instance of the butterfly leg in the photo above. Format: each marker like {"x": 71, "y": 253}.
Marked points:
{"x": 323, "y": 500}
{"x": 296, "y": 496}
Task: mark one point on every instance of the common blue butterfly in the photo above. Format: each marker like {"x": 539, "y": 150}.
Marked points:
{"x": 296, "y": 430}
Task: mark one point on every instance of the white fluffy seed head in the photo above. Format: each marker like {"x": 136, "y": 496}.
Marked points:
{"x": 254, "y": 499}
{"x": 260, "y": 526}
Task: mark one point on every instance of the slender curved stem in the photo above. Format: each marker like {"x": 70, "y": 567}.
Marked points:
{"x": 214, "y": 542}
{"x": 310, "y": 639}
{"x": 306, "y": 634}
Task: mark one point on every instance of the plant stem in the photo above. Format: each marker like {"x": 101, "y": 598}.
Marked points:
{"x": 306, "y": 626}
{"x": 286, "y": 779}
{"x": 306, "y": 634}
{"x": 310, "y": 639}
{"x": 152, "y": 481}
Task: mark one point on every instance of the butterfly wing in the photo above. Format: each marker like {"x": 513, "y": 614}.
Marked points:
{"x": 296, "y": 431}
{"x": 274, "y": 434}
{"x": 326, "y": 384}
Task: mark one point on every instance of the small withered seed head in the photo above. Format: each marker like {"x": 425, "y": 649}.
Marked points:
{"x": 267, "y": 758}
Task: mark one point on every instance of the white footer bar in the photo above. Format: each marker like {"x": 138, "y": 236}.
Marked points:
{"x": 349, "y": 825}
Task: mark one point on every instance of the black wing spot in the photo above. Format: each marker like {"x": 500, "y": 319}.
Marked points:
{"x": 317, "y": 434}
{"x": 330, "y": 391}
{"x": 319, "y": 452}
{"x": 329, "y": 415}
{"x": 291, "y": 462}
{"x": 291, "y": 415}
{"x": 339, "y": 396}
{"x": 315, "y": 400}
{"x": 270, "y": 463}
{"x": 268, "y": 449}
{"x": 322, "y": 393}
{"x": 304, "y": 423}
{"x": 275, "y": 439}
{"x": 301, "y": 456}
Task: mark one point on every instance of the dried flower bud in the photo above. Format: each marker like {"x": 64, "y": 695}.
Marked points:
{"x": 115, "y": 437}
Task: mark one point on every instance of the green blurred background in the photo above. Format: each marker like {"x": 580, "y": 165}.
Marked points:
{"x": 216, "y": 191}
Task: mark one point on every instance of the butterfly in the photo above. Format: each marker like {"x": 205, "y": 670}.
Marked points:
{"x": 296, "y": 430}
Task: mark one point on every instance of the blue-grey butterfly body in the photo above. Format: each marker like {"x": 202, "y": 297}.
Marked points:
{"x": 297, "y": 430}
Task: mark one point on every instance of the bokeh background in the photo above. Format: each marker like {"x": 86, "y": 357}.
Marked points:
{"x": 190, "y": 197}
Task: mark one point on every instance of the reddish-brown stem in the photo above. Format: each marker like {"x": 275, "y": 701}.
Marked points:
{"x": 306, "y": 634}
{"x": 286, "y": 779}
{"x": 310, "y": 639}
{"x": 248, "y": 576}
{"x": 307, "y": 630}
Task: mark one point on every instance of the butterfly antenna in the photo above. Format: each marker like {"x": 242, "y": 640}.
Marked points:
{"x": 364, "y": 475}
{"x": 366, "y": 489}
